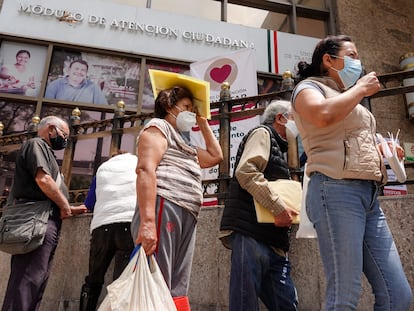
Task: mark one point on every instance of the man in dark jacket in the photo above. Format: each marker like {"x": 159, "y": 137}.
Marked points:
{"x": 259, "y": 264}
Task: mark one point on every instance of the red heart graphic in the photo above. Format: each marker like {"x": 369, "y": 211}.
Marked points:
{"x": 220, "y": 74}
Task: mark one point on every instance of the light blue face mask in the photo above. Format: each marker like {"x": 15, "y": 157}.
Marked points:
{"x": 351, "y": 72}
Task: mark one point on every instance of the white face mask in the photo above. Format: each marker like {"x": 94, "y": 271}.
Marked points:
{"x": 291, "y": 127}
{"x": 185, "y": 120}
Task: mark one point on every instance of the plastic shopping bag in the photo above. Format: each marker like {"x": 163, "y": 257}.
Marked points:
{"x": 141, "y": 286}
{"x": 306, "y": 229}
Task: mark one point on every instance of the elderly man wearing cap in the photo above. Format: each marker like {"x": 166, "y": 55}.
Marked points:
{"x": 169, "y": 190}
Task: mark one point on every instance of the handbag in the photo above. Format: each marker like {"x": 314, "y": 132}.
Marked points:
{"x": 140, "y": 287}
{"x": 23, "y": 226}
{"x": 306, "y": 229}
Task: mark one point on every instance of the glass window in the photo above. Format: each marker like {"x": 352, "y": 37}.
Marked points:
{"x": 242, "y": 15}
{"x": 268, "y": 85}
{"x": 7, "y": 167}
{"x": 128, "y": 142}
{"x": 201, "y": 8}
{"x": 66, "y": 113}
{"x": 148, "y": 96}
{"x": 318, "y": 4}
{"x": 89, "y": 154}
{"x": 16, "y": 117}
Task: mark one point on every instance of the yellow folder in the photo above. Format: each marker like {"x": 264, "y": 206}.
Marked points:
{"x": 162, "y": 80}
{"x": 290, "y": 191}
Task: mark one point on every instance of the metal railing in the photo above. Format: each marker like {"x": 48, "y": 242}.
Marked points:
{"x": 222, "y": 111}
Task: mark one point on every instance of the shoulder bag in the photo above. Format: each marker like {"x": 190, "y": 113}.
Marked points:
{"x": 23, "y": 226}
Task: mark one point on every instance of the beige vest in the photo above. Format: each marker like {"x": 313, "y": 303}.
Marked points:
{"x": 346, "y": 149}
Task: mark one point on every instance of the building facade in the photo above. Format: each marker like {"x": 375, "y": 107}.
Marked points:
{"x": 122, "y": 39}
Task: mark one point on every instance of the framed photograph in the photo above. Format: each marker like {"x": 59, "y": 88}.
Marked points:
{"x": 93, "y": 78}
{"x": 21, "y": 68}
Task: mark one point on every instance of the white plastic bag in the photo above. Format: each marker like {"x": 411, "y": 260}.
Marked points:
{"x": 306, "y": 229}
{"x": 140, "y": 287}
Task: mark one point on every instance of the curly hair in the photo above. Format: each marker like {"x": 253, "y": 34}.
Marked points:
{"x": 168, "y": 98}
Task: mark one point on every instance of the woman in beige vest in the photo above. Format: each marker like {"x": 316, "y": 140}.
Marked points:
{"x": 346, "y": 172}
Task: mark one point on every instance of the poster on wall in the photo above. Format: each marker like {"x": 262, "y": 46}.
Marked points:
{"x": 239, "y": 70}
{"x": 93, "y": 78}
{"x": 289, "y": 49}
{"x": 21, "y": 68}
{"x": 394, "y": 189}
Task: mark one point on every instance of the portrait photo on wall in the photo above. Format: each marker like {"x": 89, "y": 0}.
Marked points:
{"x": 21, "y": 68}
{"x": 93, "y": 78}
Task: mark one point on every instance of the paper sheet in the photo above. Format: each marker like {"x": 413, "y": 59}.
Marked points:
{"x": 290, "y": 192}
{"x": 391, "y": 155}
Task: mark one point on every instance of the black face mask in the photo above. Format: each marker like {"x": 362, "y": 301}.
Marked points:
{"x": 58, "y": 142}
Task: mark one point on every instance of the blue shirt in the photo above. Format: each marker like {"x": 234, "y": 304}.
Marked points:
{"x": 91, "y": 197}
{"x": 87, "y": 92}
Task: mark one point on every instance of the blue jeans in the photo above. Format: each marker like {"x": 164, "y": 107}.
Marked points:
{"x": 354, "y": 237}
{"x": 258, "y": 272}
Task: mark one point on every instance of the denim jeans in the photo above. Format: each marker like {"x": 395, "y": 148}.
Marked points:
{"x": 258, "y": 272}
{"x": 354, "y": 237}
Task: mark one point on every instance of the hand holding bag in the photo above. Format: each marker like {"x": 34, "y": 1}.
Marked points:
{"x": 141, "y": 286}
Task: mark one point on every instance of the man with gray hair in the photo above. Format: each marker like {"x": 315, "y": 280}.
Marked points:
{"x": 37, "y": 178}
{"x": 259, "y": 264}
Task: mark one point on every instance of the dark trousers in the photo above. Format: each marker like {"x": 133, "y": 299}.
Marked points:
{"x": 107, "y": 242}
{"x": 30, "y": 272}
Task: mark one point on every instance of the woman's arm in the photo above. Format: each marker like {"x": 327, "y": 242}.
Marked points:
{"x": 152, "y": 145}
{"x": 213, "y": 154}
{"x": 313, "y": 107}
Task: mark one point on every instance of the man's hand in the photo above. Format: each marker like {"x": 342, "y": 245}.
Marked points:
{"x": 285, "y": 218}
{"x": 65, "y": 212}
{"x": 80, "y": 209}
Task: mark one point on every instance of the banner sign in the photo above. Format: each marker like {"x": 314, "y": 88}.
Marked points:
{"x": 239, "y": 70}
{"x": 289, "y": 49}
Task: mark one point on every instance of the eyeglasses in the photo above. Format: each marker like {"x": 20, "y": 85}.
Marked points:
{"x": 288, "y": 116}
{"x": 65, "y": 135}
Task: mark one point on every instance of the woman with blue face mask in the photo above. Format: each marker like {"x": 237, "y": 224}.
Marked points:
{"x": 346, "y": 173}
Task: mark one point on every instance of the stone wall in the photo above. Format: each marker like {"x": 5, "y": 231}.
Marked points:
{"x": 383, "y": 31}
{"x": 210, "y": 275}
